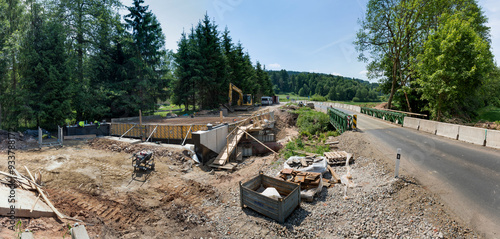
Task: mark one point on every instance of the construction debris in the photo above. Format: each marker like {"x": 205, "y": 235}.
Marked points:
{"x": 307, "y": 164}
{"x": 335, "y": 176}
{"x": 336, "y": 158}
{"x": 310, "y": 182}
{"x": 330, "y": 143}
{"x": 30, "y": 184}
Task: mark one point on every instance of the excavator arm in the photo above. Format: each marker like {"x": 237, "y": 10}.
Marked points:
{"x": 240, "y": 93}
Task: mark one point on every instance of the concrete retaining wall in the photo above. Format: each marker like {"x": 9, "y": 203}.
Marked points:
{"x": 412, "y": 123}
{"x": 447, "y": 130}
{"x": 214, "y": 139}
{"x": 428, "y": 126}
{"x": 472, "y": 135}
{"x": 493, "y": 139}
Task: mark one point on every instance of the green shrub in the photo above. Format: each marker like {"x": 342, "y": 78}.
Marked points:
{"x": 311, "y": 122}
{"x": 318, "y": 98}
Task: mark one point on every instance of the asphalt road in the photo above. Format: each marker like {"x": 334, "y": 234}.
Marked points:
{"x": 466, "y": 176}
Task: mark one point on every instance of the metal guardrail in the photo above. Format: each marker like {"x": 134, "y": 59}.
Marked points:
{"x": 394, "y": 117}
{"x": 340, "y": 120}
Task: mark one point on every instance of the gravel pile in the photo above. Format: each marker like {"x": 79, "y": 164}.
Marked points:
{"x": 380, "y": 206}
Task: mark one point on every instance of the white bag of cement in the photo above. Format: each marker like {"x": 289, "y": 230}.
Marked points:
{"x": 317, "y": 167}
{"x": 271, "y": 192}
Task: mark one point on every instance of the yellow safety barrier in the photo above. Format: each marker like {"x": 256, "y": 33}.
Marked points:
{"x": 162, "y": 131}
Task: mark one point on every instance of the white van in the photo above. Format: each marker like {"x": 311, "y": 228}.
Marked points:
{"x": 266, "y": 100}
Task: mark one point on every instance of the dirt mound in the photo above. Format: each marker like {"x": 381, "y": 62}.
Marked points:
{"x": 381, "y": 106}
{"x": 22, "y": 141}
{"x": 117, "y": 146}
{"x": 285, "y": 123}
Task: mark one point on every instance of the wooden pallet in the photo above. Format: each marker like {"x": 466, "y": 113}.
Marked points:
{"x": 337, "y": 157}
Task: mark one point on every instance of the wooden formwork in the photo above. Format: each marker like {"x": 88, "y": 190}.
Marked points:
{"x": 161, "y": 132}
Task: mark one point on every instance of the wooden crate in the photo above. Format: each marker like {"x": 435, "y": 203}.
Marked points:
{"x": 277, "y": 209}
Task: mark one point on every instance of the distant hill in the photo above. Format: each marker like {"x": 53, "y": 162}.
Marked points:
{"x": 333, "y": 87}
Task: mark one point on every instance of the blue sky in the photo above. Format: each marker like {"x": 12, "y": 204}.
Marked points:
{"x": 314, "y": 36}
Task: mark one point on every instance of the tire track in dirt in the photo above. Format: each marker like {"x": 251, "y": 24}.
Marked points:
{"x": 185, "y": 205}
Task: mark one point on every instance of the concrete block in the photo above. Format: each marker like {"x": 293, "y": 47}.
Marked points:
{"x": 27, "y": 235}
{"x": 493, "y": 139}
{"x": 79, "y": 232}
{"x": 447, "y": 130}
{"x": 472, "y": 135}
{"x": 428, "y": 126}
{"x": 412, "y": 123}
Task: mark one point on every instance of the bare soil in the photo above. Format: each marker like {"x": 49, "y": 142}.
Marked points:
{"x": 94, "y": 181}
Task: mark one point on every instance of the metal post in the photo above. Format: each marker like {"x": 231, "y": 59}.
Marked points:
{"x": 40, "y": 136}
{"x": 398, "y": 158}
{"x": 60, "y": 136}
{"x": 152, "y": 133}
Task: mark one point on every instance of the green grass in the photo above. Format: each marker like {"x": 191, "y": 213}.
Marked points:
{"x": 489, "y": 113}
{"x": 170, "y": 107}
{"x": 314, "y": 128}
{"x": 291, "y": 96}
{"x": 362, "y": 104}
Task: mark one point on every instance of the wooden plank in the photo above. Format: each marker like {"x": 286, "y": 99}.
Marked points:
{"x": 59, "y": 215}
{"x": 326, "y": 183}
{"x": 228, "y": 166}
{"x": 223, "y": 156}
{"x": 335, "y": 176}
{"x": 330, "y": 143}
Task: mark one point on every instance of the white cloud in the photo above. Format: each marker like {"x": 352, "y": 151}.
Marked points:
{"x": 363, "y": 73}
{"x": 336, "y": 74}
{"x": 274, "y": 66}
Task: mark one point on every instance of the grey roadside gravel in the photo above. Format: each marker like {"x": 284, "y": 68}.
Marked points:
{"x": 380, "y": 206}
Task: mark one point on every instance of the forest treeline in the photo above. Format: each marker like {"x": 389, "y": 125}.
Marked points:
{"x": 431, "y": 56}
{"x": 63, "y": 60}
{"x": 207, "y": 61}
{"x": 332, "y": 87}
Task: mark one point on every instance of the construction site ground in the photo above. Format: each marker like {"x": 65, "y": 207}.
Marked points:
{"x": 93, "y": 181}
{"x": 203, "y": 117}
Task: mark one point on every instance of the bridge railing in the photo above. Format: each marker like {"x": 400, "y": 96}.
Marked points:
{"x": 395, "y": 117}
{"x": 340, "y": 120}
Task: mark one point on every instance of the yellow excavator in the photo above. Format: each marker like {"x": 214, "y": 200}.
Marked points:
{"x": 244, "y": 102}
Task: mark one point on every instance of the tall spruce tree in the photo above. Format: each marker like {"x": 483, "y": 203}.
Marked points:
{"x": 213, "y": 82}
{"x": 147, "y": 84}
{"x": 45, "y": 70}
{"x": 183, "y": 89}
{"x": 12, "y": 19}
